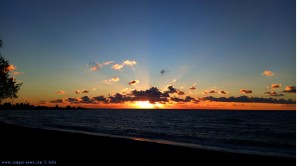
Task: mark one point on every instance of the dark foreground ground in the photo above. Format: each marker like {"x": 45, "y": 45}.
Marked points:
{"x": 22, "y": 145}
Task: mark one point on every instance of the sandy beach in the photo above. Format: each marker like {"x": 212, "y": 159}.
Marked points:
{"x": 49, "y": 147}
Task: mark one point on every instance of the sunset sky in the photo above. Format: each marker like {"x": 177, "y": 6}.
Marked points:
{"x": 152, "y": 53}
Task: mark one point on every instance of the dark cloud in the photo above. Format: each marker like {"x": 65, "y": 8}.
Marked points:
{"x": 72, "y": 100}
{"x": 186, "y": 99}
{"x": 246, "y": 91}
{"x": 290, "y": 89}
{"x": 276, "y": 86}
{"x": 152, "y": 95}
{"x": 212, "y": 91}
{"x": 163, "y": 71}
{"x": 247, "y": 99}
{"x": 192, "y": 88}
{"x": 133, "y": 82}
{"x": 171, "y": 89}
{"x": 101, "y": 99}
{"x": 87, "y": 100}
{"x": 78, "y": 91}
{"x": 57, "y": 101}
{"x": 85, "y": 91}
{"x": 273, "y": 93}
{"x": 118, "y": 98}
{"x": 222, "y": 92}
{"x": 179, "y": 92}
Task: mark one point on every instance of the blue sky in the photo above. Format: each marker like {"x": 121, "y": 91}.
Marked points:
{"x": 221, "y": 44}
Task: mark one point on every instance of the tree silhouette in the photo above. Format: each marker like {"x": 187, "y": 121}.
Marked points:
{"x": 8, "y": 86}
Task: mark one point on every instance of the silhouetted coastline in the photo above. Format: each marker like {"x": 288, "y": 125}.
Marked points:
{"x": 27, "y": 106}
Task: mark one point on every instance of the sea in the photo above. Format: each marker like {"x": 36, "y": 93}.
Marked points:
{"x": 252, "y": 132}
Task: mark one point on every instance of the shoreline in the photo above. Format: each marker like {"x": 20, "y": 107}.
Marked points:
{"x": 20, "y": 143}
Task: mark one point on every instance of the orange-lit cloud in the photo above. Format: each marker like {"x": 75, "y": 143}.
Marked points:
{"x": 290, "y": 89}
{"x": 11, "y": 67}
{"x": 60, "y": 92}
{"x": 114, "y": 79}
{"x": 246, "y": 91}
{"x": 276, "y": 86}
{"x": 192, "y": 88}
{"x": 94, "y": 88}
{"x": 17, "y": 73}
{"x": 133, "y": 82}
{"x": 268, "y": 73}
{"x": 212, "y": 91}
{"x": 81, "y": 91}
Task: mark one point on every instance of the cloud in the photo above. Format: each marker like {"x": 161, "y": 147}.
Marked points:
{"x": 273, "y": 93}
{"x": 192, "y": 88}
{"x": 163, "y": 71}
{"x": 152, "y": 95}
{"x": 17, "y": 73}
{"x": 84, "y": 91}
{"x": 94, "y": 66}
{"x": 94, "y": 88}
{"x": 60, "y": 92}
{"x": 133, "y": 82}
{"x": 276, "y": 86}
{"x": 247, "y": 99}
{"x": 268, "y": 73}
{"x": 246, "y": 91}
{"x": 223, "y": 92}
{"x": 212, "y": 91}
{"x": 179, "y": 92}
{"x": 73, "y": 100}
{"x": 290, "y": 89}
{"x": 101, "y": 99}
{"x": 11, "y": 67}
{"x": 114, "y": 79}
{"x": 81, "y": 91}
{"x": 171, "y": 89}
{"x": 57, "y": 101}
{"x": 129, "y": 63}
{"x": 87, "y": 100}
{"x": 118, "y": 98}
{"x": 117, "y": 67}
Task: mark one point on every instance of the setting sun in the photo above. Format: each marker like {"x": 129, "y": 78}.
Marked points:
{"x": 143, "y": 104}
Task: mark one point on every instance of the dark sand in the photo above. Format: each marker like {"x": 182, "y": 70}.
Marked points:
{"x": 63, "y": 148}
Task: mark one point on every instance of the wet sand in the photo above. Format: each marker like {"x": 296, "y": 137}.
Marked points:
{"x": 48, "y": 147}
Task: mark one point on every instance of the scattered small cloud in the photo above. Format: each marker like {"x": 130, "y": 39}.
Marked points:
{"x": 276, "y": 86}
{"x": 94, "y": 88}
{"x": 114, "y": 79}
{"x": 174, "y": 80}
{"x": 192, "y": 88}
{"x": 222, "y": 92}
{"x": 94, "y": 66}
{"x": 85, "y": 91}
{"x": 246, "y": 99}
{"x": 290, "y": 89}
{"x": 212, "y": 91}
{"x": 179, "y": 92}
{"x": 81, "y": 91}
{"x": 268, "y": 73}
{"x": 133, "y": 82}
{"x": 246, "y": 91}
{"x": 60, "y": 92}
{"x": 129, "y": 63}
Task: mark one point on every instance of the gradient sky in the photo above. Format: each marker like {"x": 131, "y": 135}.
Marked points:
{"x": 210, "y": 45}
